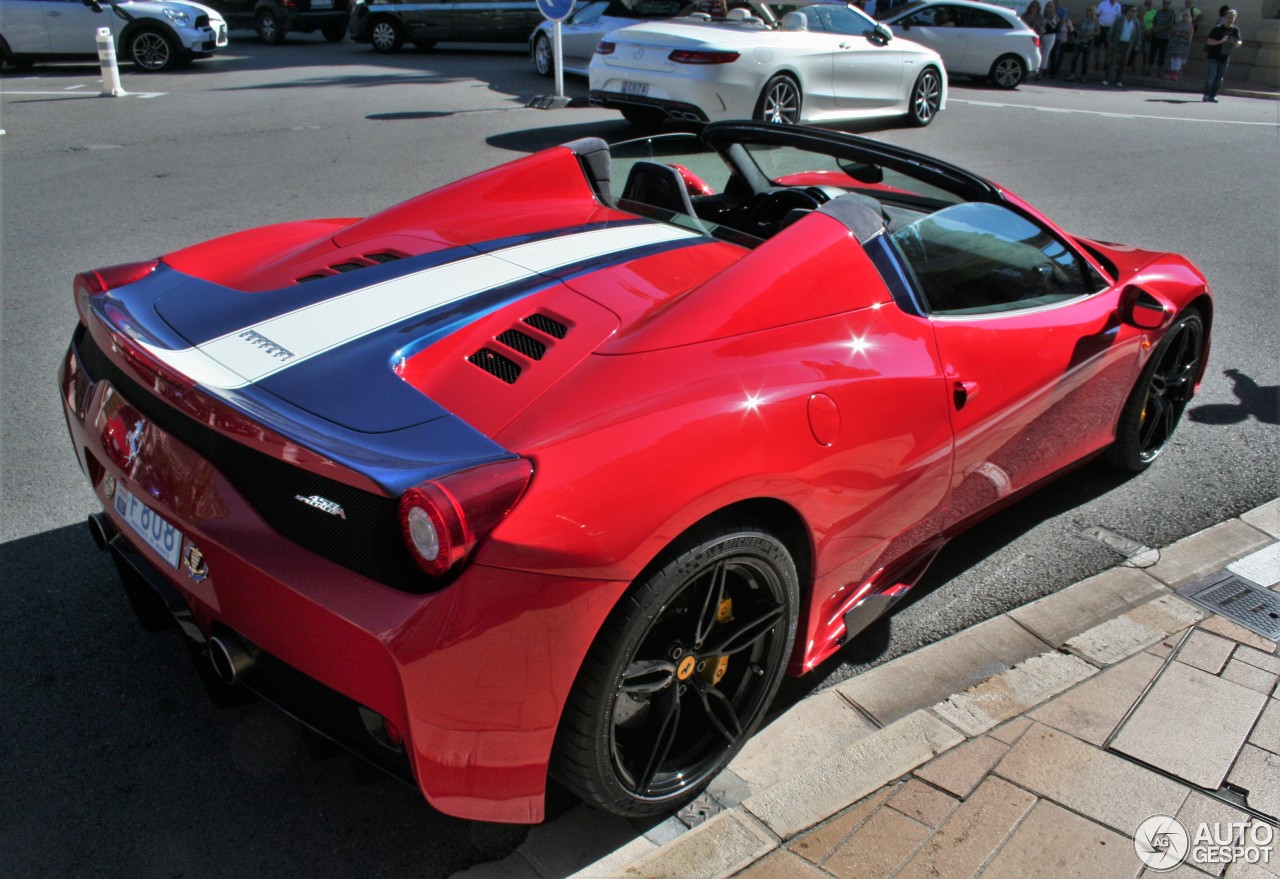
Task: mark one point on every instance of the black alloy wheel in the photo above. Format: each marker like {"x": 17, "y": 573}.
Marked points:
{"x": 1158, "y": 400}
{"x": 681, "y": 674}
{"x": 780, "y": 101}
{"x": 926, "y": 97}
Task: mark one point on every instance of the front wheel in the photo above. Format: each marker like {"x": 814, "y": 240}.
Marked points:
{"x": 681, "y": 673}
{"x": 1008, "y": 72}
{"x": 386, "y": 35}
{"x": 270, "y": 29}
{"x": 926, "y": 98}
{"x": 543, "y": 58}
{"x": 152, "y": 50}
{"x": 780, "y": 101}
{"x": 1157, "y": 401}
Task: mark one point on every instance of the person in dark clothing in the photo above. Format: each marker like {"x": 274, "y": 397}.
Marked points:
{"x": 1222, "y": 41}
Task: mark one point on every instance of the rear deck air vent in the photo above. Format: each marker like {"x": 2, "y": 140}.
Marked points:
{"x": 495, "y": 364}
{"x": 361, "y": 262}
{"x": 381, "y": 257}
{"x": 348, "y": 266}
{"x": 547, "y": 325}
{"x": 306, "y": 278}
{"x": 526, "y": 345}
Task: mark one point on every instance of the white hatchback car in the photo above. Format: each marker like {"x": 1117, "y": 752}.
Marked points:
{"x": 975, "y": 39}
{"x": 819, "y": 62}
{"x": 154, "y": 34}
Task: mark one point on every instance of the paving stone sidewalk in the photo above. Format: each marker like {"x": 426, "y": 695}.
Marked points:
{"x": 1032, "y": 745}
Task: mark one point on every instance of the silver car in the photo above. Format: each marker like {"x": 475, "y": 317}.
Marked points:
{"x": 974, "y": 39}
{"x": 153, "y": 34}
{"x": 580, "y": 34}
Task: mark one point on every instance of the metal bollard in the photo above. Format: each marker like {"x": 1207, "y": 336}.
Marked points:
{"x": 111, "y": 87}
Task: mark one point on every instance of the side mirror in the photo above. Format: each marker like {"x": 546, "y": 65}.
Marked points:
{"x": 863, "y": 172}
{"x": 1140, "y": 309}
{"x": 882, "y": 34}
{"x": 92, "y": 4}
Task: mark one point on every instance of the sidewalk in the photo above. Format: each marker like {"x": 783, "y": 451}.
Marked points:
{"x": 1032, "y": 745}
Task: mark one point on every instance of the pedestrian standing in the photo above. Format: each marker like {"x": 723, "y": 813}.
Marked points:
{"x": 1049, "y": 27}
{"x": 1222, "y": 41}
{"x": 1180, "y": 45}
{"x": 1065, "y": 48}
{"x": 1108, "y": 14}
{"x": 1161, "y": 32}
{"x": 1189, "y": 6}
{"x": 1147, "y": 16}
{"x": 1086, "y": 38}
{"x": 1124, "y": 40}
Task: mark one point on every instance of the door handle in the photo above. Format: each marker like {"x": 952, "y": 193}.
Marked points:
{"x": 963, "y": 392}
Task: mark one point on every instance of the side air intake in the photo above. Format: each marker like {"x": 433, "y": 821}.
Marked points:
{"x": 496, "y": 365}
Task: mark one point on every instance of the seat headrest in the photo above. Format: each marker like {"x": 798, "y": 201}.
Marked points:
{"x": 794, "y": 21}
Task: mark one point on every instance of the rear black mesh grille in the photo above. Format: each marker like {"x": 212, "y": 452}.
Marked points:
{"x": 351, "y": 265}
{"x": 306, "y": 278}
{"x": 547, "y": 325}
{"x": 368, "y": 541}
{"x": 381, "y": 257}
{"x": 495, "y": 364}
{"x": 526, "y": 345}
{"x": 348, "y": 266}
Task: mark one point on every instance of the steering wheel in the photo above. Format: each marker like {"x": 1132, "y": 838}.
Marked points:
{"x": 774, "y": 204}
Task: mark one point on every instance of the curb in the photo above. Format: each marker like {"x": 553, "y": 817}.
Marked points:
{"x": 957, "y": 697}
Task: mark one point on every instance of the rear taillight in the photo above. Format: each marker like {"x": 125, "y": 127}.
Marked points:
{"x": 689, "y": 56}
{"x": 445, "y": 518}
{"x": 98, "y": 281}
{"x": 604, "y": 47}
{"x": 1036, "y": 40}
{"x": 146, "y": 363}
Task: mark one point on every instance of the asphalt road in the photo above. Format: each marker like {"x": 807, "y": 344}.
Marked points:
{"x": 112, "y": 763}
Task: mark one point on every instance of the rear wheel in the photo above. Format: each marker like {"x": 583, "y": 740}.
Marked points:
{"x": 152, "y": 50}
{"x": 543, "y": 58}
{"x": 386, "y": 35}
{"x": 1156, "y": 404}
{"x": 1008, "y": 72}
{"x": 780, "y": 101}
{"x": 270, "y": 29}
{"x": 926, "y": 98}
{"x": 681, "y": 673}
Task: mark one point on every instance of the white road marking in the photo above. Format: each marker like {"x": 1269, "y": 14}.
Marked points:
{"x": 1142, "y": 116}
{"x": 67, "y": 93}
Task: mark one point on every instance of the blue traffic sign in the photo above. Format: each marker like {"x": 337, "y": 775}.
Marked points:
{"x": 555, "y": 10}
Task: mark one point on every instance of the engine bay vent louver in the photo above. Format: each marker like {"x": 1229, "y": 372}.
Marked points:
{"x": 526, "y": 345}
{"x": 547, "y": 325}
{"x": 496, "y": 365}
{"x": 361, "y": 262}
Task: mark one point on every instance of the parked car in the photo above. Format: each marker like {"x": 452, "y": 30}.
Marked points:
{"x": 819, "y": 62}
{"x": 974, "y": 39}
{"x": 560, "y": 468}
{"x": 154, "y": 34}
{"x": 389, "y": 24}
{"x": 580, "y": 34}
{"x": 272, "y": 19}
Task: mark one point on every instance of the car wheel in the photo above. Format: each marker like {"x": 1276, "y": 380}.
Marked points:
{"x": 642, "y": 117}
{"x": 386, "y": 35}
{"x": 1157, "y": 401}
{"x": 269, "y": 28}
{"x": 334, "y": 32}
{"x": 681, "y": 673}
{"x": 152, "y": 50}
{"x": 780, "y": 101}
{"x": 1008, "y": 71}
{"x": 926, "y": 97}
{"x": 543, "y": 58}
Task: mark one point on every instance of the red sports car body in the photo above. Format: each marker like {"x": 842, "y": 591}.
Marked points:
{"x": 525, "y": 475}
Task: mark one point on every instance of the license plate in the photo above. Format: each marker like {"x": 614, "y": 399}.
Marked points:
{"x": 321, "y": 4}
{"x": 149, "y": 525}
{"x": 635, "y": 88}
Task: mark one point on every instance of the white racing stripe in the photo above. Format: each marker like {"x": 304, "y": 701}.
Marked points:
{"x": 254, "y": 352}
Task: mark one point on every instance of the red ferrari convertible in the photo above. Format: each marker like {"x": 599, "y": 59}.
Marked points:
{"x": 557, "y": 470}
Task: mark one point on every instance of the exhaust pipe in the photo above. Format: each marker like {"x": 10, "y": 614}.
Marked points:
{"x": 101, "y": 529}
{"x": 231, "y": 657}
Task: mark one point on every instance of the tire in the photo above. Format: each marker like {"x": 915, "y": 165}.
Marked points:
{"x": 334, "y": 33}
{"x": 642, "y": 117}
{"x": 152, "y": 50}
{"x": 1008, "y": 72}
{"x": 780, "y": 101}
{"x": 386, "y": 35}
{"x": 544, "y": 61}
{"x": 1155, "y": 406}
{"x": 926, "y": 97}
{"x": 681, "y": 673}
{"x": 270, "y": 29}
